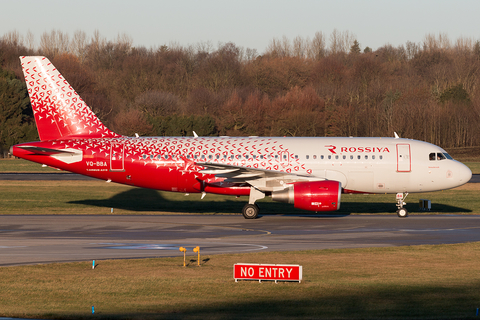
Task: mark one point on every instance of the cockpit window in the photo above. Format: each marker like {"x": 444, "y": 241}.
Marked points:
{"x": 449, "y": 157}
{"x": 438, "y": 156}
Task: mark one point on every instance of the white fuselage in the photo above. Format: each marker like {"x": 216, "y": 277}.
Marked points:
{"x": 380, "y": 165}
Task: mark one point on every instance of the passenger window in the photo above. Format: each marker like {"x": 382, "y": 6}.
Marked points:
{"x": 336, "y": 157}
{"x": 314, "y": 157}
{"x": 307, "y": 156}
{"x": 366, "y": 157}
{"x": 351, "y": 157}
{"x": 359, "y": 157}
{"x": 380, "y": 157}
{"x": 329, "y": 157}
{"x": 344, "y": 157}
{"x": 373, "y": 157}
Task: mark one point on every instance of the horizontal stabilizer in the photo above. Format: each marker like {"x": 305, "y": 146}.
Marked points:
{"x": 45, "y": 151}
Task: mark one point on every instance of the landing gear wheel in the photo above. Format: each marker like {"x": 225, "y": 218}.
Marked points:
{"x": 250, "y": 211}
{"x": 402, "y": 213}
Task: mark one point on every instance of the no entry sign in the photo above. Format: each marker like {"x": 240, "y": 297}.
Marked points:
{"x": 273, "y": 272}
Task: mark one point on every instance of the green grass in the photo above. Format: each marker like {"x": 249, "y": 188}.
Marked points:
{"x": 20, "y": 165}
{"x": 98, "y": 197}
{"x": 435, "y": 282}
{"x": 432, "y": 282}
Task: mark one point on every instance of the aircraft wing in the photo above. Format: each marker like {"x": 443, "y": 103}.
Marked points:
{"x": 261, "y": 179}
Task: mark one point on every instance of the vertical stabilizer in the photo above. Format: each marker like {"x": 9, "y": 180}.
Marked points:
{"x": 59, "y": 111}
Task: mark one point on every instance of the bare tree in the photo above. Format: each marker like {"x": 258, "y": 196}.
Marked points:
{"x": 464, "y": 45}
{"x": 299, "y": 47}
{"x": 336, "y": 42}
{"x": 348, "y": 40}
{"x": 79, "y": 45}
{"x": 436, "y": 43}
{"x": 274, "y": 48}
{"x": 411, "y": 49}
{"x": 341, "y": 42}
{"x": 316, "y": 49}
{"x": 30, "y": 40}
{"x": 286, "y": 47}
{"x": 54, "y": 43}
{"x": 13, "y": 38}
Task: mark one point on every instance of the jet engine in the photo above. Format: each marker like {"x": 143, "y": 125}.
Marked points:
{"x": 313, "y": 196}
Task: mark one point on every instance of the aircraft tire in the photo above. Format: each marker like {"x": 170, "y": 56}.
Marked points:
{"x": 250, "y": 211}
{"x": 402, "y": 213}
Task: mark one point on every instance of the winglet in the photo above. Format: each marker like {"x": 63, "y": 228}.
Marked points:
{"x": 59, "y": 111}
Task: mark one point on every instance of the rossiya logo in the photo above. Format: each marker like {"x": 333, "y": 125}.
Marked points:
{"x": 331, "y": 148}
{"x": 357, "y": 149}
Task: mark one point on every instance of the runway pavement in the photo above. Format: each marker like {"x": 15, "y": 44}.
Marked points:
{"x": 44, "y": 239}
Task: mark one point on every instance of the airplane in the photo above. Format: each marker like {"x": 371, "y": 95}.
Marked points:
{"x": 309, "y": 172}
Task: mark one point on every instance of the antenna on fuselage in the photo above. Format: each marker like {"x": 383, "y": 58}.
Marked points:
{"x": 195, "y": 134}
{"x": 396, "y": 135}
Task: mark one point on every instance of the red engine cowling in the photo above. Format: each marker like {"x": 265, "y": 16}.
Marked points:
{"x": 312, "y": 196}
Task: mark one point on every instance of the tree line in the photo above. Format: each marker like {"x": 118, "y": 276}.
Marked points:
{"x": 324, "y": 86}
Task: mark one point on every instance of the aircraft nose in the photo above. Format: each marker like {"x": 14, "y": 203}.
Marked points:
{"x": 464, "y": 174}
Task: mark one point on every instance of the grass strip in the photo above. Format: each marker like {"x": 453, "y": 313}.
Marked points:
{"x": 434, "y": 282}
{"x": 98, "y": 197}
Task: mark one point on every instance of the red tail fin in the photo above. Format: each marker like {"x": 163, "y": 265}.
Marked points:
{"x": 59, "y": 111}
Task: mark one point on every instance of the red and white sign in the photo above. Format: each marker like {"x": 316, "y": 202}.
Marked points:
{"x": 273, "y": 272}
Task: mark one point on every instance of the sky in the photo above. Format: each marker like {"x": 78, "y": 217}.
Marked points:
{"x": 247, "y": 23}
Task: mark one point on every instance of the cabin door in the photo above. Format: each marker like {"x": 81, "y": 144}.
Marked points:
{"x": 404, "y": 162}
{"x": 117, "y": 157}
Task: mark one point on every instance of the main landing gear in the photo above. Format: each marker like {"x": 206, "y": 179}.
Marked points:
{"x": 401, "y": 212}
{"x": 250, "y": 210}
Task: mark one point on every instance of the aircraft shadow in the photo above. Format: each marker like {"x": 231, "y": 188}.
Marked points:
{"x": 147, "y": 200}
{"x": 375, "y": 302}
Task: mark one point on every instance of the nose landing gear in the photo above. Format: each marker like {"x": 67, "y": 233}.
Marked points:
{"x": 401, "y": 212}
